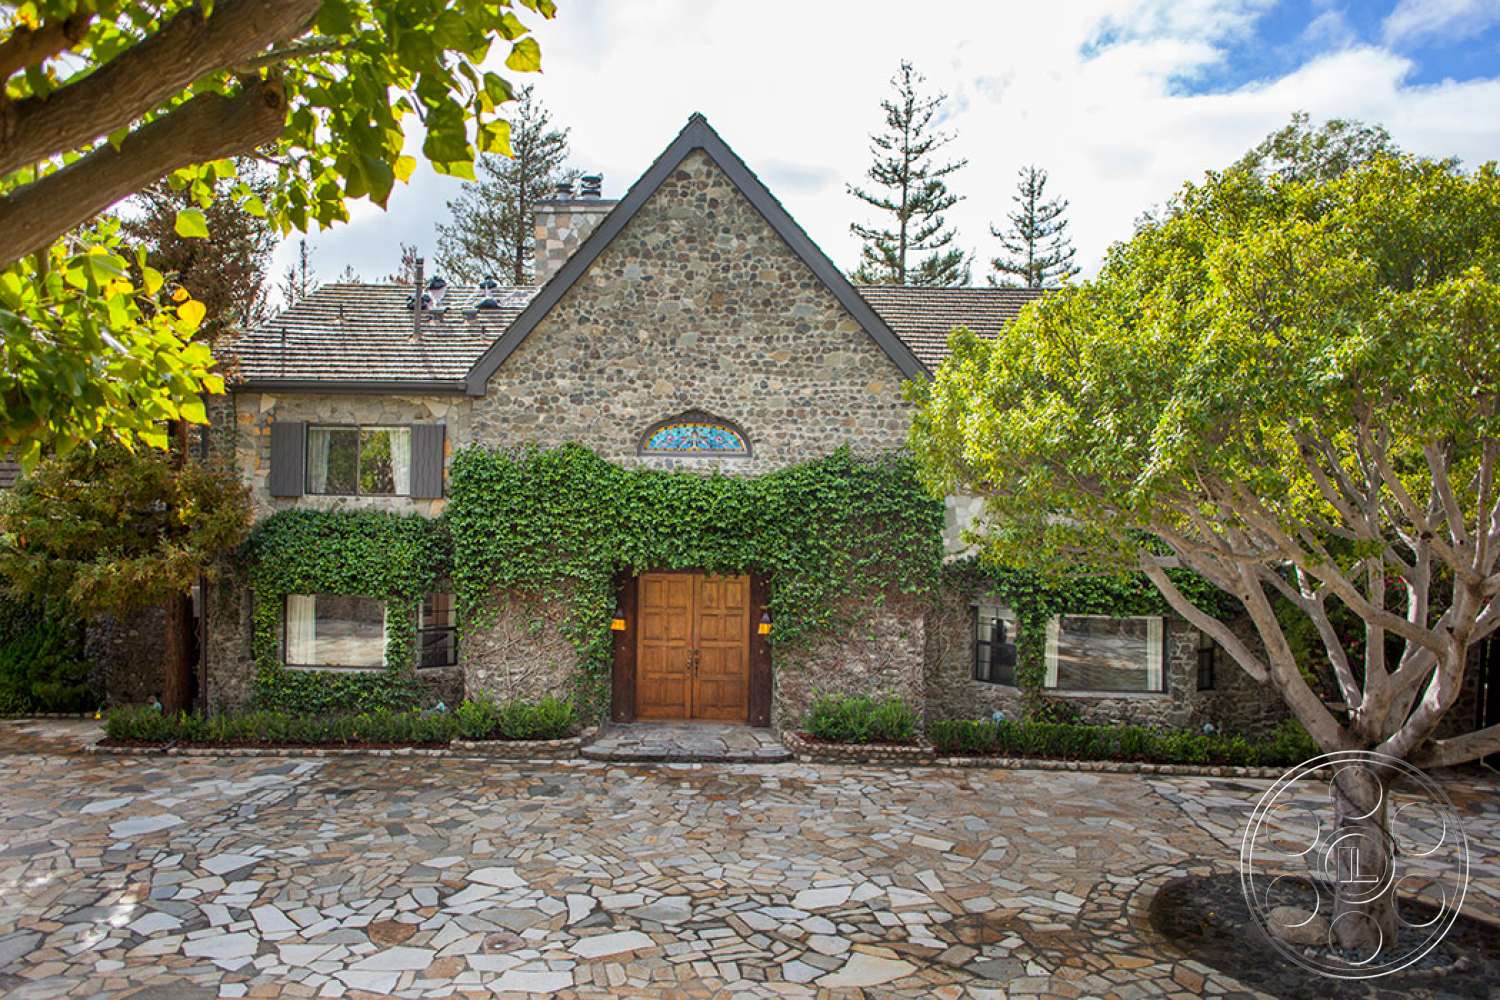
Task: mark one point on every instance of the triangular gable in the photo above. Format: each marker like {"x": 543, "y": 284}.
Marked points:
{"x": 697, "y": 134}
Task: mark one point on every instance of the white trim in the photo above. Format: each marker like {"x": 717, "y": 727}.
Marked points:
{"x": 1054, "y": 626}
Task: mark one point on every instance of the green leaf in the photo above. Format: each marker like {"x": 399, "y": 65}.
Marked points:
{"x": 525, "y": 56}
{"x": 191, "y": 224}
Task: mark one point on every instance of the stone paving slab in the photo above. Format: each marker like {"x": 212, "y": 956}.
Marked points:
{"x": 390, "y": 877}
{"x": 686, "y": 742}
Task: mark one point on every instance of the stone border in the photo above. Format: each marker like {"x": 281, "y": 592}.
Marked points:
{"x": 563, "y": 749}
{"x": 810, "y": 752}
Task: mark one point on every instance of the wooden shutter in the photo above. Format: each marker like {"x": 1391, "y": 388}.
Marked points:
{"x": 288, "y": 458}
{"x": 427, "y": 461}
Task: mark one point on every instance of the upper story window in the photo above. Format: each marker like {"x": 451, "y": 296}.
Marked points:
{"x": 694, "y": 433}
{"x": 1099, "y": 653}
{"x": 359, "y": 461}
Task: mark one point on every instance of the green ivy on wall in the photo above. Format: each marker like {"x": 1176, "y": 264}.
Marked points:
{"x": 561, "y": 523}
{"x": 352, "y": 552}
{"x": 1035, "y": 598}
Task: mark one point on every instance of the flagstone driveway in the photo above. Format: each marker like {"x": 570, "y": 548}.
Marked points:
{"x": 264, "y": 877}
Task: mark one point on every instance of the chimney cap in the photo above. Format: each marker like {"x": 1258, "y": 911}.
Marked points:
{"x": 562, "y": 189}
{"x": 590, "y": 185}
{"x": 489, "y": 283}
{"x": 437, "y": 282}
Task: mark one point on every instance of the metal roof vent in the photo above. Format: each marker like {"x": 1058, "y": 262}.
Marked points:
{"x": 590, "y": 185}
{"x": 411, "y": 301}
{"x": 488, "y": 302}
{"x": 436, "y": 289}
{"x": 489, "y": 284}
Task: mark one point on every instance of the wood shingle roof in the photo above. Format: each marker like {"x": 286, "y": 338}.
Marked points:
{"x": 361, "y": 336}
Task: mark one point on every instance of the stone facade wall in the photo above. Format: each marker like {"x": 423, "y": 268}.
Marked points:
{"x": 562, "y": 224}
{"x": 1237, "y": 703}
{"x": 522, "y": 654}
{"x": 697, "y": 305}
{"x": 255, "y": 412}
{"x": 128, "y": 654}
{"x": 881, "y": 655}
{"x": 226, "y": 661}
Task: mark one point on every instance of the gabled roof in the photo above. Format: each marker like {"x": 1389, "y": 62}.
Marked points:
{"x": 360, "y": 338}
{"x": 697, "y": 134}
{"x": 923, "y": 317}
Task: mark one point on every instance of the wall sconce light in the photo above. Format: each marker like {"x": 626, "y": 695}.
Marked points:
{"x": 618, "y": 623}
{"x": 765, "y": 623}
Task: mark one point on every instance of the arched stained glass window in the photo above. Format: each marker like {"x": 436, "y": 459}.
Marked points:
{"x": 694, "y": 433}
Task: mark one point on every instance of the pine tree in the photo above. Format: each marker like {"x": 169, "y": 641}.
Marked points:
{"x": 491, "y": 229}
{"x": 299, "y": 280}
{"x": 910, "y": 187}
{"x": 1037, "y": 242}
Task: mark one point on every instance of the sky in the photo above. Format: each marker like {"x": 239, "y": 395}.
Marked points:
{"x": 1120, "y": 101}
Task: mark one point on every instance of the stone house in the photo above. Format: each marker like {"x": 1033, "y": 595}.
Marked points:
{"x": 694, "y": 326}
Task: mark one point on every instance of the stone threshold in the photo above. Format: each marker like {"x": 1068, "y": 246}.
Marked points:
{"x": 685, "y": 743}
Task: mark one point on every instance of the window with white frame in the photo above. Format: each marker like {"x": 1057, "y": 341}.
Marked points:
{"x": 333, "y": 630}
{"x": 1100, "y": 653}
{"x": 359, "y": 461}
{"x": 994, "y": 644}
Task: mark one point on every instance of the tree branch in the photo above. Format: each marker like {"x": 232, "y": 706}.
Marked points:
{"x": 1459, "y": 749}
{"x": 208, "y": 127}
{"x": 187, "y": 48}
{"x": 34, "y": 46}
{"x": 1205, "y": 623}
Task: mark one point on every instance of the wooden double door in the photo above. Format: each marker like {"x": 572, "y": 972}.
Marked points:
{"x": 693, "y": 647}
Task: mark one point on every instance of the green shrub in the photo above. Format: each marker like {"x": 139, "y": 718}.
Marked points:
{"x": 483, "y": 719}
{"x": 148, "y": 725}
{"x": 42, "y": 662}
{"x": 1288, "y": 745}
{"x": 859, "y": 719}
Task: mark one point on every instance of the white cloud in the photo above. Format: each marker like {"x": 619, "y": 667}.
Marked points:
{"x": 1416, "y": 20}
{"x": 1092, "y": 92}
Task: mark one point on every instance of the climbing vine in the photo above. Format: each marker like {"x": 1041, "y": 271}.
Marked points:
{"x": 366, "y": 553}
{"x": 1036, "y": 597}
{"x": 562, "y": 523}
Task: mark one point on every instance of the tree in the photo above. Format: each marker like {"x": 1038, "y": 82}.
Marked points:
{"x": 103, "y": 98}
{"x": 227, "y": 273}
{"x": 113, "y": 532}
{"x": 914, "y": 192}
{"x": 1287, "y": 384}
{"x": 491, "y": 229}
{"x": 1300, "y": 152}
{"x": 406, "y": 270}
{"x": 1041, "y": 252}
{"x": 299, "y": 280}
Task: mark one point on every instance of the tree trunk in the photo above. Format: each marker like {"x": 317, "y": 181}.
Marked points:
{"x": 177, "y": 638}
{"x": 177, "y": 659}
{"x": 1359, "y": 857}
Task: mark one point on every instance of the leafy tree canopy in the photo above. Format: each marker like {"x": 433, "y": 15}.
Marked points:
{"x": 1289, "y": 384}
{"x": 101, "y": 98}
{"x": 108, "y": 531}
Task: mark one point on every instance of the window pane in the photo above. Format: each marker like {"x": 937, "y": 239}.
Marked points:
{"x": 385, "y": 461}
{"x": 332, "y": 455}
{"x": 1106, "y": 654}
{"x": 338, "y": 631}
{"x": 995, "y": 645}
{"x": 439, "y": 648}
{"x": 438, "y": 611}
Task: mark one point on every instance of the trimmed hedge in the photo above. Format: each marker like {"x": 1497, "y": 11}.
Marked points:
{"x": 849, "y": 719}
{"x": 517, "y": 720}
{"x": 1288, "y": 745}
{"x": 484, "y": 719}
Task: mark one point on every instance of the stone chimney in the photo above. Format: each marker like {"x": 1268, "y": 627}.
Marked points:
{"x": 564, "y": 221}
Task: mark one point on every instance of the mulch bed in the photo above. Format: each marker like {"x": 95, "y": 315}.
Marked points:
{"x": 1206, "y": 917}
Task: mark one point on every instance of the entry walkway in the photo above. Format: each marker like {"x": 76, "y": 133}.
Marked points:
{"x": 672, "y": 742}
